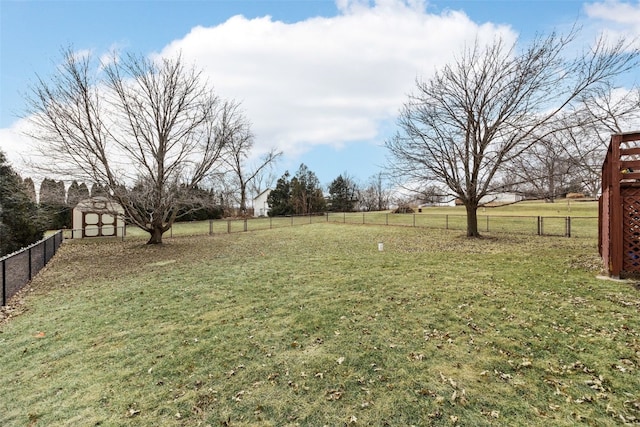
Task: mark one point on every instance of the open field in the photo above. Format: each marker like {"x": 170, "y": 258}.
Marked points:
{"x": 314, "y": 326}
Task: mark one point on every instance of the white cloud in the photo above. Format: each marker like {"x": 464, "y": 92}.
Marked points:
{"x": 17, "y": 146}
{"x": 321, "y": 81}
{"x": 623, "y": 13}
{"x": 328, "y": 80}
{"x": 619, "y": 18}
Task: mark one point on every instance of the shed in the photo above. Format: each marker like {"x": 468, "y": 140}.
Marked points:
{"x": 98, "y": 217}
{"x": 619, "y": 206}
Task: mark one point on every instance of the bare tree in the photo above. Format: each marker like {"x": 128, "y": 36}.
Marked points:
{"x": 265, "y": 179}
{"x": 375, "y": 196}
{"x": 149, "y": 131}
{"x": 571, "y": 156}
{"x": 238, "y": 151}
{"x": 604, "y": 113}
{"x": 461, "y": 127}
{"x": 545, "y": 170}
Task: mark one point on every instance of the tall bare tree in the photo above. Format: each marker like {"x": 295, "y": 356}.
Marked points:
{"x": 545, "y": 170}
{"x": 240, "y": 146}
{"x": 148, "y": 130}
{"x": 604, "y": 113}
{"x": 376, "y": 196}
{"x": 462, "y": 126}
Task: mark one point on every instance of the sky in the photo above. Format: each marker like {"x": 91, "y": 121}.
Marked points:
{"x": 320, "y": 80}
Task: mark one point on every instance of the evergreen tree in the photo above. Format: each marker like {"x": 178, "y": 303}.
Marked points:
{"x": 98, "y": 190}
{"x": 76, "y": 193}
{"x": 52, "y": 192}
{"x": 306, "y": 193}
{"x": 279, "y": 199}
{"x": 53, "y": 205}
{"x": 19, "y": 221}
{"x": 30, "y": 189}
{"x": 342, "y": 193}
{"x": 201, "y": 205}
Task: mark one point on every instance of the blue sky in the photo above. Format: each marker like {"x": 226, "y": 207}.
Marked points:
{"x": 320, "y": 80}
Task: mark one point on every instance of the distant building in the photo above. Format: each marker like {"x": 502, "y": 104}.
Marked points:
{"x": 260, "y": 205}
{"x": 501, "y": 198}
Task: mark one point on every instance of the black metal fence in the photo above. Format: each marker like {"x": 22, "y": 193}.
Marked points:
{"x": 18, "y": 268}
{"x": 565, "y": 226}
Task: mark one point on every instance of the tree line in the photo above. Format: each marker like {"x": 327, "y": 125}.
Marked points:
{"x": 302, "y": 194}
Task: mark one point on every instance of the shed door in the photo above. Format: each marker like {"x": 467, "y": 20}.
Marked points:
{"x": 630, "y": 230}
{"x": 96, "y": 224}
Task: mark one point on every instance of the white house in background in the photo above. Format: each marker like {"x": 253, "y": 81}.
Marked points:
{"x": 97, "y": 217}
{"x": 501, "y": 198}
{"x": 260, "y": 205}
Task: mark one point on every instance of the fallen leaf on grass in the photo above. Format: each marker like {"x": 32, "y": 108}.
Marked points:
{"x": 333, "y": 395}
{"x": 40, "y": 334}
{"x": 493, "y": 414}
{"x": 340, "y": 360}
{"x": 525, "y": 364}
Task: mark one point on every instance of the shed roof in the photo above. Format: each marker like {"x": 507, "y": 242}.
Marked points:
{"x": 98, "y": 204}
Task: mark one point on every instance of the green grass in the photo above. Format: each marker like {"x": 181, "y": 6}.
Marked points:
{"x": 314, "y": 326}
{"x": 520, "y": 217}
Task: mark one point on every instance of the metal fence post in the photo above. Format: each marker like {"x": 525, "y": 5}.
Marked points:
{"x": 363, "y": 220}
{"x": 30, "y": 269}
{"x": 414, "y": 220}
{"x": 446, "y": 222}
{"x": 568, "y": 226}
{"x": 387, "y": 218}
{"x": 44, "y": 252}
{"x": 4, "y": 283}
{"x": 210, "y": 227}
{"x": 228, "y": 226}
{"x": 539, "y": 226}
{"x": 245, "y": 224}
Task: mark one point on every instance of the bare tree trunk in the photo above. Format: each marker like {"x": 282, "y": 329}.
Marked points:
{"x": 156, "y": 236}
{"x": 472, "y": 220}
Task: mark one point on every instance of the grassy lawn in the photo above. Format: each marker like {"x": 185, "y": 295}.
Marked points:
{"x": 520, "y": 217}
{"x": 314, "y": 326}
